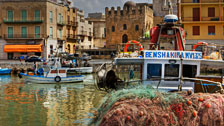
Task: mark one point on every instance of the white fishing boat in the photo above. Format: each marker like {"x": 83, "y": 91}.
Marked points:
{"x": 54, "y": 75}
{"x": 166, "y": 64}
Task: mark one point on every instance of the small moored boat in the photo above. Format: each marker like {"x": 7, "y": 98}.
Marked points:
{"x": 5, "y": 71}
{"x": 54, "y": 75}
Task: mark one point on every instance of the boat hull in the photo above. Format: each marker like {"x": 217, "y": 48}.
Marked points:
{"x": 51, "y": 80}
{"x": 5, "y": 71}
{"x": 82, "y": 70}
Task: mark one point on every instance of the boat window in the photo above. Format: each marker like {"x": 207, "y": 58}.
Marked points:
{"x": 171, "y": 70}
{"x": 189, "y": 71}
{"x": 53, "y": 71}
{"x": 62, "y": 71}
{"x": 154, "y": 70}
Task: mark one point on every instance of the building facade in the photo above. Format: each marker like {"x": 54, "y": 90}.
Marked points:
{"x": 131, "y": 23}
{"x": 99, "y": 29}
{"x": 203, "y": 20}
{"x": 71, "y": 30}
{"x": 39, "y": 26}
{"x": 85, "y": 31}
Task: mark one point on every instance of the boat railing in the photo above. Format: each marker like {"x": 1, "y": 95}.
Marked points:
{"x": 202, "y": 82}
{"x": 209, "y": 51}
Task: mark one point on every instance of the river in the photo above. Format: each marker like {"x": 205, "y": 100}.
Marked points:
{"x": 26, "y": 104}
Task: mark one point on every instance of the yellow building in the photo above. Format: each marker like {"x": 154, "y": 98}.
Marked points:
{"x": 203, "y": 20}
{"x": 41, "y": 27}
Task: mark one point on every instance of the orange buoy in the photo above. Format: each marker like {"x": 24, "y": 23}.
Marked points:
{"x": 189, "y": 102}
{"x": 208, "y": 105}
{"x": 201, "y": 99}
{"x": 195, "y": 113}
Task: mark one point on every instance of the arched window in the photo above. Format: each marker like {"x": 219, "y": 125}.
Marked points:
{"x": 124, "y": 38}
{"x": 113, "y": 29}
{"x": 69, "y": 48}
{"x": 124, "y": 27}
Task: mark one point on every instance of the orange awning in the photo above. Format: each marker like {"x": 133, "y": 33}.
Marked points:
{"x": 23, "y": 48}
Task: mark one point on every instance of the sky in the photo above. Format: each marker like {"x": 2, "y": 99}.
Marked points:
{"x": 92, "y": 6}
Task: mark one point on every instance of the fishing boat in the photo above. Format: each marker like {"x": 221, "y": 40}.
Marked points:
{"x": 5, "y": 71}
{"x": 166, "y": 63}
{"x": 51, "y": 73}
{"x": 54, "y": 75}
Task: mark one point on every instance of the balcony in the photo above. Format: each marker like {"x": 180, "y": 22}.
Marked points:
{"x": 61, "y": 23}
{"x": 21, "y": 21}
{"x": 202, "y": 19}
{"x": 24, "y": 36}
{"x": 90, "y": 34}
{"x": 74, "y": 24}
{"x": 71, "y": 36}
{"x": 202, "y": 1}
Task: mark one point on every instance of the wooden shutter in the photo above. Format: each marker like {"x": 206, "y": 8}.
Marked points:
{"x": 37, "y": 31}
{"x": 196, "y": 30}
{"x": 10, "y": 32}
{"x": 196, "y": 14}
{"x": 24, "y": 15}
{"x": 10, "y": 15}
{"x": 211, "y": 30}
{"x": 37, "y": 15}
{"x": 211, "y": 12}
{"x": 24, "y": 32}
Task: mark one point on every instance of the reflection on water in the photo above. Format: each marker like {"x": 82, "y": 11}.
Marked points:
{"x": 47, "y": 104}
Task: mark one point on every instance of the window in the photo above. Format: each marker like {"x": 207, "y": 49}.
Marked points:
{"x": 223, "y": 30}
{"x": 211, "y": 30}
{"x": 10, "y": 15}
{"x": 59, "y": 18}
{"x": 51, "y": 49}
{"x": 60, "y": 33}
{"x": 196, "y": 30}
{"x": 24, "y": 15}
{"x": 171, "y": 70}
{"x": 51, "y": 32}
{"x": 195, "y": 1}
{"x": 37, "y": 31}
{"x": 113, "y": 29}
{"x": 154, "y": 70}
{"x": 105, "y": 31}
{"x": 189, "y": 71}
{"x": 211, "y": 12}
{"x": 10, "y": 32}
{"x": 136, "y": 28}
{"x": 68, "y": 19}
{"x": 24, "y": 32}
{"x": 51, "y": 17}
{"x": 124, "y": 27}
{"x": 89, "y": 38}
{"x": 37, "y": 15}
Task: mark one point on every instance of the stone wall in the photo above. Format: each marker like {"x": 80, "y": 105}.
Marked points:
{"x": 139, "y": 15}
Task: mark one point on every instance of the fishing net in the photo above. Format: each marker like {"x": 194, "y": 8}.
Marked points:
{"x": 144, "y": 106}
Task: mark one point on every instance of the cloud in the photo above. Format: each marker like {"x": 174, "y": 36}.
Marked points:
{"x": 92, "y": 6}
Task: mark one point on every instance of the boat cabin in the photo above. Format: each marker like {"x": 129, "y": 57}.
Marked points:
{"x": 163, "y": 69}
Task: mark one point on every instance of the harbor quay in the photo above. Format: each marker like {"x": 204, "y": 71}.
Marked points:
{"x": 17, "y": 65}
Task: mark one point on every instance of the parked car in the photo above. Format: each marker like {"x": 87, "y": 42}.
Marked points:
{"x": 85, "y": 56}
{"x": 33, "y": 59}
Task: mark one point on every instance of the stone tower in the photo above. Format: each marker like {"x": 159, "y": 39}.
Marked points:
{"x": 131, "y": 23}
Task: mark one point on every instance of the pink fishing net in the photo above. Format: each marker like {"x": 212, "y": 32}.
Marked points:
{"x": 161, "y": 109}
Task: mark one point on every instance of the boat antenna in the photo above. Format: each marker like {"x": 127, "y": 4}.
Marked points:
{"x": 170, "y": 7}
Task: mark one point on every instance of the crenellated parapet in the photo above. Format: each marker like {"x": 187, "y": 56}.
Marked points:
{"x": 128, "y": 10}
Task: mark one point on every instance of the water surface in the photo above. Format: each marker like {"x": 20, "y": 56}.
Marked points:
{"x": 47, "y": 104}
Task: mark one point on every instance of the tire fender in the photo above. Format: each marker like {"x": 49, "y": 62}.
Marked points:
{"x": 57, "y": 79}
